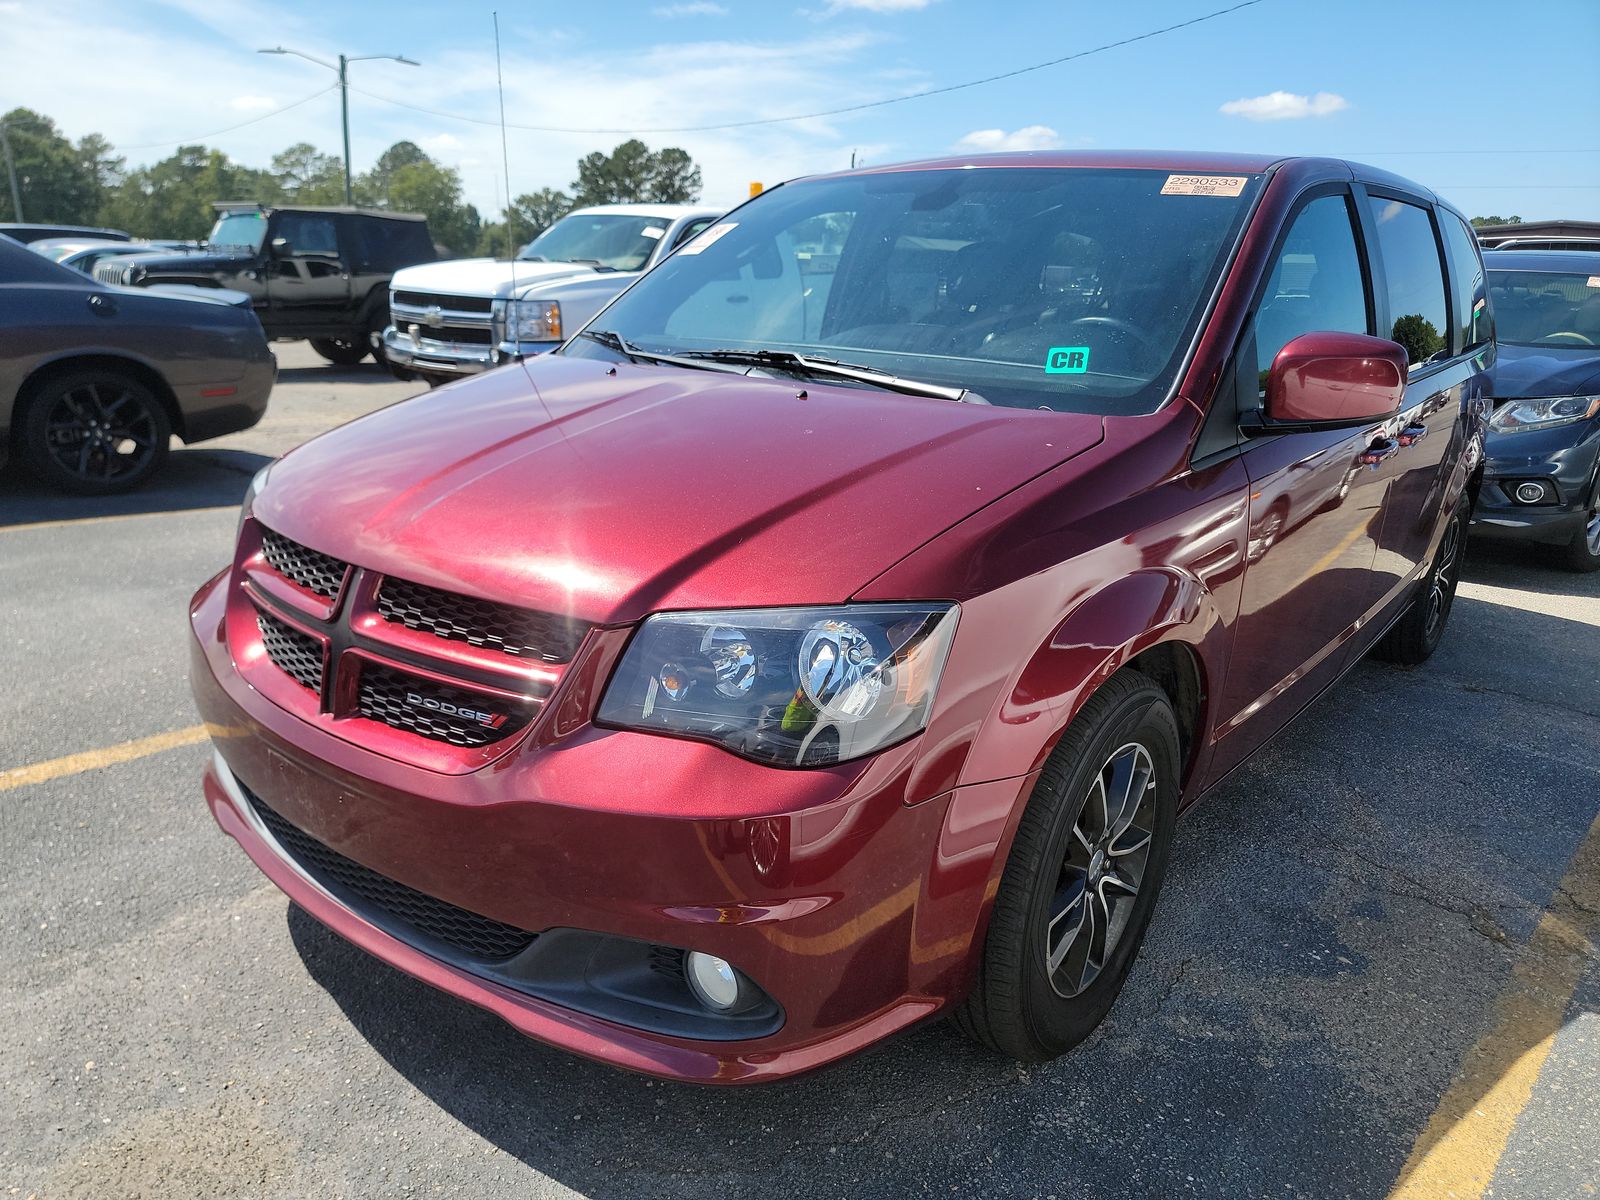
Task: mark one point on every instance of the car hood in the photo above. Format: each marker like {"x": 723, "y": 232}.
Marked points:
{"x": 1522, "y": 371}
{"x": 174, "y": 260}
{"x": 481, "y": 276}
{"x": 201, "y": 295}
{"x": 607, "y": 493}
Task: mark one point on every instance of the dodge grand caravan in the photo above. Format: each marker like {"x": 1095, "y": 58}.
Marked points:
{"x": 827, "y": 637}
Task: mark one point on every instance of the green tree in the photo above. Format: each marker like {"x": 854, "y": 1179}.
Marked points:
{"x": 374, "y": 187}
{"x": 106, "y": 168}
{"x": 174, "y": 198}
{"x": 307, "y": 176}
{"x": 1480, "y": 222}
{"x": 55, "y": 182}
{"x": 633, "y": 173}
{"x": 533, "y": 212}
{"x": 1419, "y": 336}
{"x": 435, "y": 191}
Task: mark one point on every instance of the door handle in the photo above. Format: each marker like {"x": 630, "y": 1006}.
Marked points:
{"x": 102, "y": 305}
{"x": 1380, "y": 449}
{"x": 1412, "y": 434}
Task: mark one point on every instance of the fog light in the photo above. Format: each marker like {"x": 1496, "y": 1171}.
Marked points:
{"x": 1530, "y": 493}
{"x": 713, "y": 981}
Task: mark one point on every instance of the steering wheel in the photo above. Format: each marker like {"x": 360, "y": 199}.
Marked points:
{"x": 1569, "y": 336}
{"x": 1117, "y": 325}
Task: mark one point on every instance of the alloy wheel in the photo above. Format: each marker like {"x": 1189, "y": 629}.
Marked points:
{"x": 101, "y": 431}
{"x": 1104, "y": 868}
{"x": 1591, "y": 531}
{"x": 1442, "y": 585}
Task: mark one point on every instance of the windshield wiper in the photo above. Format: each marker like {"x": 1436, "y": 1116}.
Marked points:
{"x": 826, "y": 368}
{"x": 615, "y": 341}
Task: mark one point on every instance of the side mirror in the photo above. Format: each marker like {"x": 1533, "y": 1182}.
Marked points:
{"x": 281, "y": 248}
{"x": 1329, "y": 380}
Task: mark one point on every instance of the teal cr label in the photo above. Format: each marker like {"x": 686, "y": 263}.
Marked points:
{"x": 1067, "y": 360}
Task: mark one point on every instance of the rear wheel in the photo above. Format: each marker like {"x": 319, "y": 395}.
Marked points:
{"x": 1080, "y": 885}
{"x": 94, "y": 432}
{"x": 1416, "y": 635}
{"x": 1582, "y": 553}
{"x": 342, "y": 351}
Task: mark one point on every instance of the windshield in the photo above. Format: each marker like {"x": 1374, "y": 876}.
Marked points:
{"x": 600, "y": 239}
{"x": 239, "y": 229}
{"x": 1073, "y": 289}
{"x": 1546, "y": 308}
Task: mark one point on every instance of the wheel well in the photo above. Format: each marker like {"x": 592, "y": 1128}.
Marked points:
{"x": 1175, "y": 669}
{"x": 148, "y": 376}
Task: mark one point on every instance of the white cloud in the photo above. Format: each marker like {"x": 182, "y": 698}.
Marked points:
{"x": 1029, "y": 137}
{"x": 440, "y": 143}
{"x": 691, "y": 8}
{"x": 1285, "y": 106}
{"x": 252, "y": 103}
{"x": 876, "y": 6}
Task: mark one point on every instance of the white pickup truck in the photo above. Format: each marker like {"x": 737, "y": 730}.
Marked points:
{"x": 448, "y": 319}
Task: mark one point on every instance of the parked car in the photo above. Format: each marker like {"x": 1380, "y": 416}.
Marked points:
{"x": 458, "y": 318}
{"x": 84, "y": 254}
{"x": 316, "y": 273}
{"x": 1542, "y": 481}
{"x": 1541, "y": 235}
{"x": 826, "y": 637}
{"x": 28, "y": 234}
{"x": 94, "y": 381}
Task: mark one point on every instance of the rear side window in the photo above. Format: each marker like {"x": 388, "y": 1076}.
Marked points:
{"x": 1413, "y": 278}
{"x": 1316, "y": 284}
{"x": 1474, "y": 319}
{"x": 388, "y": 245}
{"x": 309, "y": 233}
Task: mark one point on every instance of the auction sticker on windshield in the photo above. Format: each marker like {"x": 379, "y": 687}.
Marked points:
{"x": 1067, "y": 360}
{"x": 709, "y": 236}
{"x": 1203, "y": 185}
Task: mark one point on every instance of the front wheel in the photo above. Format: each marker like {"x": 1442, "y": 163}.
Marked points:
{"x": 94, "y": 432}
{"x": 1080, "y": 885}
{"x": 1582, "y": 553}
{"x": 341, "y": 351}
{"x": 1416, "y": 635}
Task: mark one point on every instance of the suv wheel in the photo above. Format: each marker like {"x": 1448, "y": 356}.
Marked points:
{"x": 342, "y": 351}
{"x": 94, "y": 432}
{"x": 1416, "y": 635}
{"x": 1080, "y": 885}
{"x": 1582, "y": 553}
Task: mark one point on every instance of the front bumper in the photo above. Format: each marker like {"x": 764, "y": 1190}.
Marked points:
{"x": 430, "y": 356}
{"x": 1565, "y": 460}
{"x": 853, "y": 910}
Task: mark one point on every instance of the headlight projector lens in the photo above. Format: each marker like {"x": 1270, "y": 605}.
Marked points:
{"x": 839, "y": 669}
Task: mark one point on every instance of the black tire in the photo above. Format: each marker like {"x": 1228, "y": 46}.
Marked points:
{"x": 376, "y": 324}
{"x": 1416, "y": 635}
{"x": 1019, "y": 1006}
{"x": 342, "y": 351}
{"x": 94, "y": 431}
{"x": 1582, "y": 553}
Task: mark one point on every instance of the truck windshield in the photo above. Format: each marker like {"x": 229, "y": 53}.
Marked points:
{"x": 1071, "y": 288}
{"x": 1546, "y": 308}
{"x": 599, "y": 239}
{"x": 239, "y": 229}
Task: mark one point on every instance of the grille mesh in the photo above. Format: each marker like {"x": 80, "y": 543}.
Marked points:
{"x": 385, "y": 695}
{"x": 516, "y": 631}
{"x": 446, "y": 302}
{"x": 316, "y": 572}
{"x": 473, "y": 935}
{"x": 297, "y": 655}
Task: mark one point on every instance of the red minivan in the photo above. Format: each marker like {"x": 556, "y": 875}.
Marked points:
{"x": 828, "y": 637}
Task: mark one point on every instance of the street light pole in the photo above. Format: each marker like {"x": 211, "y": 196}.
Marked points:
{"x": 344, "y": 96}
{"x": 11, "y": 169}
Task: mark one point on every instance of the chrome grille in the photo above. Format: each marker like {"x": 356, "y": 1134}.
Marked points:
{"x": 318, "y": 573}
{"x": 521, "y": 632}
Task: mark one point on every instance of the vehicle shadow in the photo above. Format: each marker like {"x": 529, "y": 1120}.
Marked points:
{"x": 1526, "y": 565}
{"x": 1338, "y": 922}
{"x": 325, "y": 372}
{"x": 190, "y": 479}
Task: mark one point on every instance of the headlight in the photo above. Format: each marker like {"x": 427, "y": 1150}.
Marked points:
{"x": 1545, "y": 412}
{"x": 795, "y": 687}
{"x": 533, "y": 321}
{"x": 257, "y": 482}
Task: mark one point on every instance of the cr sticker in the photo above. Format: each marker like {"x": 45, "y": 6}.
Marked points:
{"x": 1067, "y": 360}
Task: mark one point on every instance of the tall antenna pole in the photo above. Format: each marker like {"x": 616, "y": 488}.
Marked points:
{"x": 505, "y": 154}
{"x": 11, "y": 169}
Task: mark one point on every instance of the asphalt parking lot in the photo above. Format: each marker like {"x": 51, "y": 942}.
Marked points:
{"x": 1374, "y": 966}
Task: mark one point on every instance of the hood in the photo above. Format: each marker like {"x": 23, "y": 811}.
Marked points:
{"x": 559, "y": 485}
{"x": 201, "y": 295}
{"x": 212, "y": 259}
{"x": 1527, "y": 371}
{"x": 481, "y": 276}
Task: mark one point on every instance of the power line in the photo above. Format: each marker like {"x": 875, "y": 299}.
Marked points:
{"x": 203, "y": 137}
{"x": 831, "y": 112}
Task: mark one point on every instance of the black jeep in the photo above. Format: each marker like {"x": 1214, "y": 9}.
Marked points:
{"x": 317, "y": 273}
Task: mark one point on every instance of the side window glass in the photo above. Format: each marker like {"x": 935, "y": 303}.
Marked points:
{"x": 309, "y": 233}
{"x": 1473, "y": 315}
{"x": 1316, "y": 284}
{"x": 689, "y": 230}
{"x": 1414, "y": 279}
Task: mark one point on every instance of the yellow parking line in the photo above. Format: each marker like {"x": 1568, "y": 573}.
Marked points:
{"x": 68, "y": 522}
{"x": 1457, "y": 1153}
{"x": 89, "y": 760}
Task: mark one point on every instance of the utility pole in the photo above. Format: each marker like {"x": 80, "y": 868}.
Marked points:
{"x": 11, "y": 169}
{"x": 344, "y": 96}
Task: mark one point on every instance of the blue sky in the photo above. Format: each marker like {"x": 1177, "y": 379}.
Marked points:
{"x": 1410, "y": 85}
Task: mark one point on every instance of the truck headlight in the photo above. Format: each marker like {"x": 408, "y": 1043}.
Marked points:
{"x": 793, "y": 687}
{"x": 533, "y": 321}
{"x": 1545, "y": 412}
